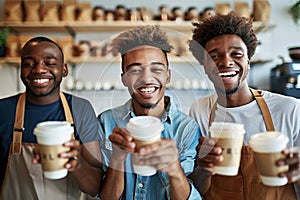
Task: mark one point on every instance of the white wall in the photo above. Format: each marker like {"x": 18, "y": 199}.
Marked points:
{"x": 274, "y": 43}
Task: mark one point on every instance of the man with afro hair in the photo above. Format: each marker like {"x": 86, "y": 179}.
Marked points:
{"x": 224, "y": 45}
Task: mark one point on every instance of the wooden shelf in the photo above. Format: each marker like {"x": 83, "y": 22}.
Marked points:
{"x": 10, "y": 60}
{"x": 105, "y": 26}
{"x": 115, "y": 26}
{"x": 24, "y": 27}
{"x": 75, "y": 27}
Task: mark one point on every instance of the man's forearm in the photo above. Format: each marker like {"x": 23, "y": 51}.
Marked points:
{"x": 88, "y": 177}
{"x": 89, "y": 172}
{"x": 113, "y": 184}
{"x": 201, "y": 180}
{"x": 179, "y": 185}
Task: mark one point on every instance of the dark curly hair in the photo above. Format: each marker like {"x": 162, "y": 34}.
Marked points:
{"x": 139, "y": 36}
{"x": 218, "y": 25}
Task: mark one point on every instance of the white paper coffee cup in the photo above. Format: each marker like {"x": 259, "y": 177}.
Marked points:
{"x": 145, "y": 130}
{"x": 267, "y": 147}
{"x": 50, "y": 137}
{"x": 230, "y": 138}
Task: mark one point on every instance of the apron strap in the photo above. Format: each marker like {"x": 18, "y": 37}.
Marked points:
{"x": 261, "y": 104}
{"x": 19, "y": 120}
{"x": 68, "y": 114}
{"x": 18, "y": 125}
{"x": 264, "y": 109}
{"x": 212, "y": 113}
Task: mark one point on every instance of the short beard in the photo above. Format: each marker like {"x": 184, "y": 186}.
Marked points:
{"x": 148, "y": 105}
{"x": 231, "y": 92}
{"x": 43, "y": 94}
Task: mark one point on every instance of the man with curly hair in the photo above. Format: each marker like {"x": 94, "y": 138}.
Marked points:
{"x": 145, "y": 72}
{"x": 224, "y": 45}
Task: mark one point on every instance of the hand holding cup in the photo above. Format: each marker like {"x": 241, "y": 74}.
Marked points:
{"x": 208, "y": 154}
{"x": 228, "y": 136}
{"x": 122, "y": 143}
{"x": 268, "y": 147}
{"x": 145, "y": 130}
{"x": 73, "y": 155}
{"x": 162, "y": 155}
{"x": 55, "y": 148}
{"x": 292, "y": 159}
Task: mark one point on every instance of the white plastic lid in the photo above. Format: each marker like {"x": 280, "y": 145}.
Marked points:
{"x": 271, "y": 141}
{"x": 143, "y": 127}
{"x": 53, "y": 132}
{"x": 226, "y": 126}
{"x": 226, "y": 129}
{"x": 55, "y": 126}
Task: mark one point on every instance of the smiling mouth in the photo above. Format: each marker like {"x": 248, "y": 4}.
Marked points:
{"x": 147, "y": 90}
{"x": 42, "y": 80}
{"x": 229, "y": 74}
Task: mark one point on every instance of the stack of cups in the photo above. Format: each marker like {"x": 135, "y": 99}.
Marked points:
{"x": 50, "y": 137}
{"x": 145, "y": 130}
{"x": 267, "y": 149}
{"x": 230, "y": 138}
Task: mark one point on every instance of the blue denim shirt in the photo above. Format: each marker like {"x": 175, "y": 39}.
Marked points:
{"x": 177, "y": 126}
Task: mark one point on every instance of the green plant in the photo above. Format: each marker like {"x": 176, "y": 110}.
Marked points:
{"x": 4, "y": 32}
{"x": 294, "y": 11}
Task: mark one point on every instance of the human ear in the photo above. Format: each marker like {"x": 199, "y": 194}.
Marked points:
{"x": 168, "y": 76}
{"x": 123, "y": 78}
{"x": 65, "y": 70}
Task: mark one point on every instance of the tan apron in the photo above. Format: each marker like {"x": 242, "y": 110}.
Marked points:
{"x": 247, "y": 185}
{"x": 28, "y": 183}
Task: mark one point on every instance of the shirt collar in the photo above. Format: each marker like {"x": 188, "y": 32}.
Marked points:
{"x": 168, "y": 115}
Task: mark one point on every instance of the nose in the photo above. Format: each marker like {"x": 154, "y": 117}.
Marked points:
{"x": 39, "y": 67}
{"x": 225, "y": 61}
{"x": 146, "y": 76}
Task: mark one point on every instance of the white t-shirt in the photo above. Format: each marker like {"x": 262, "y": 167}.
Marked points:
{"x": 285, "y": 113}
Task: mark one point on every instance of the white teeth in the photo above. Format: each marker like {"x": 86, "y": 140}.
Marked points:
{"x": 227, "y": 74}
{"x": 44, "y": 80}
{"x": 147, "y": 90}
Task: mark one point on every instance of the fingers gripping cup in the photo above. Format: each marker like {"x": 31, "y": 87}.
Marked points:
{"x": 230, "y": 138}
{"x": 267, "y": 149}
{"x": 50, "y": 137}
{"x": 145, "y": 130}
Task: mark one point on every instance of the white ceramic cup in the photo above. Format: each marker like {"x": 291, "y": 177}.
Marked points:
{"x": 50, "y": 137}
{"x": 230, "y": 138}
{"x": 267, "y": 147}
{"x": 145, "y": 130}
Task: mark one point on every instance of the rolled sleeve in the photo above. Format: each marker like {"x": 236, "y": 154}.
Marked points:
{"x": 194, "y": 194}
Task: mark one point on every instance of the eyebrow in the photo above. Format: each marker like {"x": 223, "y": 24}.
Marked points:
{"x": 44, "y": 57}
{"x": 140, "y": 64}
{"x": 232, "y": 47}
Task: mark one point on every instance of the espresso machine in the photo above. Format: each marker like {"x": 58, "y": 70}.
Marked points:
{"x": 285, "y": 78}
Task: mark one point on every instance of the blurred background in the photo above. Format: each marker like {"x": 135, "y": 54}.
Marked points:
{"x": 84, "y": 29}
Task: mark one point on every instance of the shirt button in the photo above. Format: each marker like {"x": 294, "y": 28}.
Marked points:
{"x": 141, "y": 185}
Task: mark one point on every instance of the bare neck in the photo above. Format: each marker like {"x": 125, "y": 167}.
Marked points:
{"x": 42, "y": 100}
{"x": 242, "y": 97}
